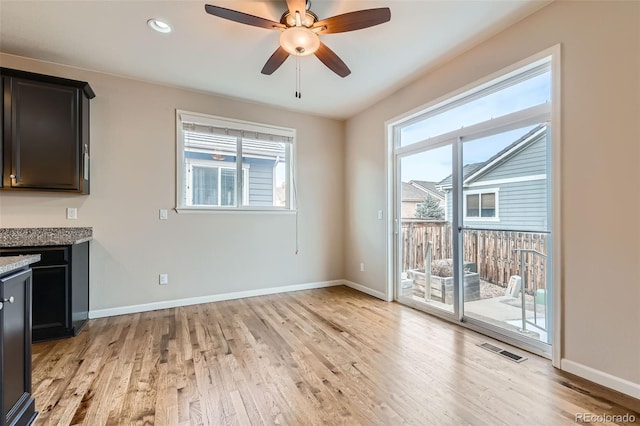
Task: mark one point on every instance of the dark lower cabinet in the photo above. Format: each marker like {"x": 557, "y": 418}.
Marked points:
{"x": 50, "y": 301}
{"x": 17, "y": 405}
{"x": 60, "y": 289}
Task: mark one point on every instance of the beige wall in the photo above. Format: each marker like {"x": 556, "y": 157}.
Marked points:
{"x": 133, "y": 175}
{"x": 600, "y": 154}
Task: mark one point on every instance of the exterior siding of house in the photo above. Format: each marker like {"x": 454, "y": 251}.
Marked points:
{"x": 532, "y": 160}
{"x": 260, "y": 181}
{"x": 521, "y": 205}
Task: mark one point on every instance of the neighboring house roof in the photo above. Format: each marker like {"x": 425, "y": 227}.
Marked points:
{"x": 413, "y": 193}
{"x": 428, "y": 186}
{"x": 474, "y": 171}
{"x": 467, "y": 170}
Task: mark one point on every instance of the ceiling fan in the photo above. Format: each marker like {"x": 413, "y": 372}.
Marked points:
{"x": 300, "y": 29}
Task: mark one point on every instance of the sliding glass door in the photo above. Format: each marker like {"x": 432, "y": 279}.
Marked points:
{"x": 505, "y": 231}
{"x": 472, "y": 210}
{"x": 425, "y": 237}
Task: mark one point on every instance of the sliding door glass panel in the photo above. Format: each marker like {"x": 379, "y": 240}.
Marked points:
{"x": 506, "y": 231}
{"x": 425, "y": 239}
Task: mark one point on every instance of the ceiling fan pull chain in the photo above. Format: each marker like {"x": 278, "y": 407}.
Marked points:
{"x": 299, "y": 79}
{"x": 298, "y": 89}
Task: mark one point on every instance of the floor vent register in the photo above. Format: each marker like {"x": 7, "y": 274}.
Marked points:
{"x": 502, "y": 352}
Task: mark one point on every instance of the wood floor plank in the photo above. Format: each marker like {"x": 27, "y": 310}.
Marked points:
{"x": 331, "y": 356}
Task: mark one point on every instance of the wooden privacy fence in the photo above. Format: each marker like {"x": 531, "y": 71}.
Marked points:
{"x": 493, "y": 251}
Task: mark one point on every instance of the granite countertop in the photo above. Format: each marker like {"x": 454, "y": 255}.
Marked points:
{"x": 11, "y": 263}
{"x": 32, "y": 237}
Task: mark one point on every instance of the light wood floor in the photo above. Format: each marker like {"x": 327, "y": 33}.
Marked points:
{"x": 328, "y": 356}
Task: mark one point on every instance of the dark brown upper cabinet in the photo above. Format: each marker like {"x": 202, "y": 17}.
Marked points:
{"x": 45, "y": 133}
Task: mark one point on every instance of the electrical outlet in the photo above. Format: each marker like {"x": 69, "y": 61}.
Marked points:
{"x": 361, "y": 266}
{"x": 164, "y": 214}
{"x": 164, "y": 279}
{"x": 72, "y": 213}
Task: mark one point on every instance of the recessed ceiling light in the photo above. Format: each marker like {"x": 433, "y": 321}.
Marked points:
{"x": 159, "y": 26}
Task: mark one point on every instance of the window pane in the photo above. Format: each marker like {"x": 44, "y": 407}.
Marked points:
{"x": 268, "y": 172}
{"x": 228, "y": 187}
{"x": 425, "y": 237}
{"x": 473, "y": 205}
{"x": 205, "y": 186}
{"x": 488, "y": 205}
{"x": 206, "y": 155}
{"x": 524, "y": 94}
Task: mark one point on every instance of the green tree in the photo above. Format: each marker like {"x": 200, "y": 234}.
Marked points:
{"x": 430, "y": 209}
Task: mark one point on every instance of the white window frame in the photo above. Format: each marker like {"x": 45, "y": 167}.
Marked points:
{"x": 243, "y": 187}
{"x": 392, "y": 151}
{"x": 481, "y": 192}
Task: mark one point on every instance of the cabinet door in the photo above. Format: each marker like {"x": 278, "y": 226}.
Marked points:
{"x": 16, "y": 348}
{"x": 44, "y": 145}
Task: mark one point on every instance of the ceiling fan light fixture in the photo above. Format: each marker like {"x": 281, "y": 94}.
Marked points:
{"x": 300, "y": 41}
{"x": 159, "y": 26}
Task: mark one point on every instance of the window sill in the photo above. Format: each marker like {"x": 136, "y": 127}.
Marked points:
{"x": 246, "y": 210}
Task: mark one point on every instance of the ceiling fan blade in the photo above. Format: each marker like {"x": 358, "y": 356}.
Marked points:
{"x": 297, "y": 6}
{"x": 354, "y": 20}
{"x": 241, "y": 17}
{"x": 332, "y": 61}
{"x": 274, "y": 62}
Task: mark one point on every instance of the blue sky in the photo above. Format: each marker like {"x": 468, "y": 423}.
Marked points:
{"x": 436, "y": 164}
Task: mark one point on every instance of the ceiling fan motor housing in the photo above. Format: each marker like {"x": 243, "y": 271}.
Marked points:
{"x": 289, "y": 19}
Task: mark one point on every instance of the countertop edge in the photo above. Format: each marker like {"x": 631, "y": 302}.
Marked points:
{"x": 56, "y": 243}
{"x": 41, "y": 237}
{"x": 9, "y": 264}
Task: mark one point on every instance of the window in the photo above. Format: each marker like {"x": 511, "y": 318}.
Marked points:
{"x": 212, "y": 184}
{"x": 481, "y": 205}
{"x": 520, "y": 90}
{"x": 214, "y": 151}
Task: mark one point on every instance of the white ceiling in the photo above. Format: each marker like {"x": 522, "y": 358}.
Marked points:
{"x": 210, "y": 54}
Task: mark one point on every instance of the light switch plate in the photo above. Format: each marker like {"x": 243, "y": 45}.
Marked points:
{"x": 163, "y": 279}
{"x": 164, "y": 214}
{"x": 72, "y": 213}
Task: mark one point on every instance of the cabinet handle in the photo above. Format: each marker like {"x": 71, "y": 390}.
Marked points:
{"x": 10, "y": 300}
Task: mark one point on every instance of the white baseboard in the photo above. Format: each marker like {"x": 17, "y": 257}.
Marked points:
{"x": 363, "y": 289}
{"x": 132, "y": 309}
{"x": 605, "y": 379}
